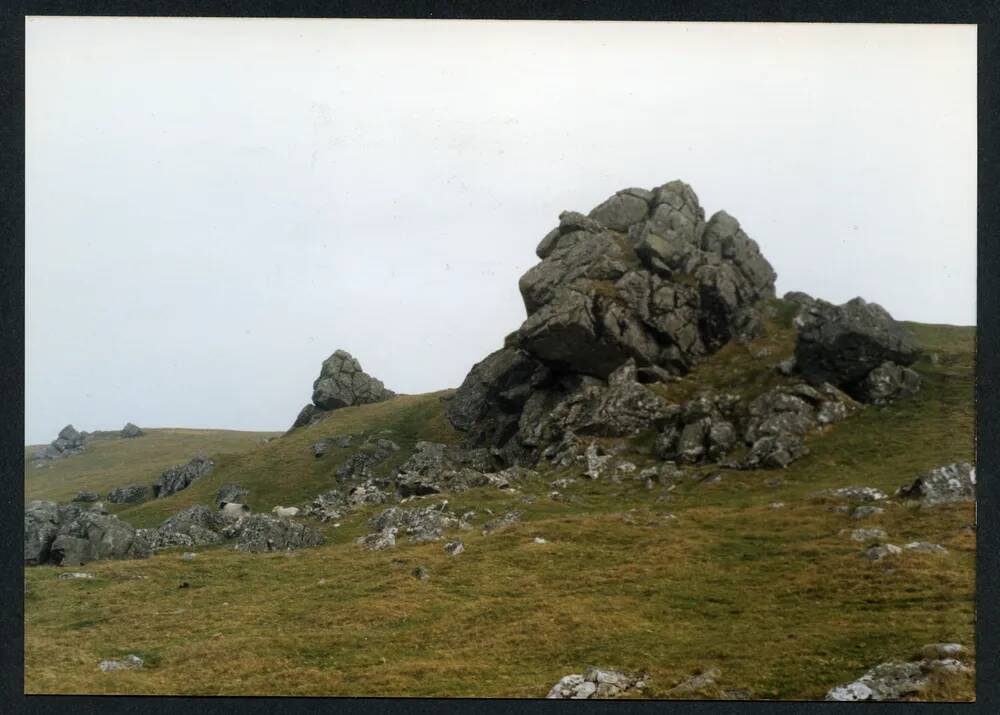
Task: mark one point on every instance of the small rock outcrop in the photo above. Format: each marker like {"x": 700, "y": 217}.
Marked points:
{"x": 130, "y": 494}
{"x": 644, "y": 277}
{"x": 952, "y": 482}
{"x": 265, "y": 532}
{"x": 198, "y": 525}
{"x": 418, "y": 524}
{"x": 68, "y": 442}
{"x": 895, "y": 680}
{"x": 341, "y": 383}
{"x": 131, "y": 431}
{"x": 360, "y": 464}
{"x": 85, "y": 496}
{"x": 843, "y": 344}
{"x": 180, "y": 477}
{"x": 596, "y": 683}
{"x": 67, "y": 535}
{"x": 129, "y": 662}
{"x": 231, "y": 494}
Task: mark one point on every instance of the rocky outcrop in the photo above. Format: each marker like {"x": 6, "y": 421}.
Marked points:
{"x": 417, "y": 523}
{"x": 643, "y": 278}
{"x": 895, "y": 680}
{"x": 131, "y": 431}
{"x": 843, "y": 344}
{"x": 67, "y": 443}
{"x": 130, "y": 494}
{"x": 952, "y": 482}
{"x": 265, "y": 532}
{"x": 341, "y": 383}
{"x": 180, "y": 477}
{"x": 359, "y": 465}
{"x": 231, "y": 494}
{"x": 195, "y": 526}
{"x": 69, "y": 536}
{"x": 86, "y": 496}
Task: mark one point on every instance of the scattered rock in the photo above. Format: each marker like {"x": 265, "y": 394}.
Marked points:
{"x": 877, "y": 553}
{"x": 90, "y": 536}
{"x": 380, "y": 540}
{"x": 952, "y": 482}
{"x": 197, "y": 525}
{"x": 868, "y": 534}
{"x": 596, "y": 683}
{"x": 925, "y": 547}
{"x": 421, "y": 573}
{"x": 264, "y": 532}
{"x": 131, "y": 431}
{"x": 454, "y": 548}
{"x": 888, "y": 383}
{"x": 129, "y": 662}
{"x": 360, "y": 464}
{"x": 85, "y": 496}
{"x": 854, "y": 494}
{"x": 539, "y": 540}
{"x": 696, "y": 684}
{"x": 180, "y": 477}
{"x": 74, "y": 575}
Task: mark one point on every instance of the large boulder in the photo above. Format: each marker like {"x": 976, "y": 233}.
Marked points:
{"x": 888, "y": 383}
{"x": 342, "y": 383}
{"x": 41, "y": 524}
{"x": 180, "y": 477}
{"x": 949, "y": 483}
{"x": 195, "y": 526}
{"x": 644, "y": 278}
{"x": 842, "y": 344}
{"x": 91, "y": 536}
{"x": 131, "y": 431}
{"x": 266, "y": 532}
{"x": 69, "y": 441}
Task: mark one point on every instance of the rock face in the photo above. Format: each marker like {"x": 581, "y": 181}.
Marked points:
{"x": 341, "y": 383}
{"x": 843, "y": 344}
{"x": 178, "y": 478}
{"x": 68, "y": 442}
{"x": 131, "y": 431}
{"x": 130, "y": 494}
{"x": 952, "y": 482}
{"x": 68, "y": 536}
{"x": 643, "y": 278}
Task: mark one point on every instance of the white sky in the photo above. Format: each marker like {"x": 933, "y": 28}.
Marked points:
{"x": 215, "y": 205}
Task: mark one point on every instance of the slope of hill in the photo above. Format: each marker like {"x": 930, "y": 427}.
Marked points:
{"x": 670, "y": 582}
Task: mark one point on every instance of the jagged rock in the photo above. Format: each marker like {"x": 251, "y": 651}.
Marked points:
{"x": 896, "y": 680}
{"x": 454, "y": 548}
{"x": 231, "y": 494}
{"x": 129, "y": 662}
{"x": 180, "y": 477}
{"x": 195, "y": 526}
{"x": 265, "y": 532}
{"x": 596, "y": 683}
{"x": 130, "y": 494}
{"x": 90, "y": 536}
{"x": 843, "y": 344}
{"x": 645, "y": 278}
{"x": 342, "y": 383}
{"x": 359, "y": 465}
{"x": 888, "y": 383}
{"x": 131, "y": 431}
{"x": 952, "y": 482}
{"x": 85, "y": 496}
{"x": 68, "y": 442}
{"x": 307, "y": 415}
{"x": 418, "y": 523}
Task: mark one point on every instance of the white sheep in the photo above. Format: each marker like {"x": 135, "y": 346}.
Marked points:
{"x": 286, "y": 511}
{"x": 233, "y": 509}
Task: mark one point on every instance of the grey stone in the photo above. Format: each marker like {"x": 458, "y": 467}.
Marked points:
{"x": 948, "y": 483}
{"x": 854, "y": 494}
{"x": 868, "y": 534}
{"x": 925, "y": 547}
{"x": 180, "y": 477}
{"x": 131, "y": 431}
{"x": 888, "y": 383}
{"x": 695, "y": 684}
{"x": 130, "y": 494}
{"x": 380, "y": 540}
{"x": 266, "y": 532}
{"x": 863, "y": 512}
{"x": 75, "y": 575}
{"x": 454, "y": 548}
{"x": 129, "y": 662}
{"x": 342, "y": 383}
{"x": 882, "y": 551}
{"x": 85, "y": 496}
{"x": 418, "y": 523}
{"x": 91, "y": 536}
{"x": 231, "y": 494}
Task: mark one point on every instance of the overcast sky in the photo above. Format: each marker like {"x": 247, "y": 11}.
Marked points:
{"x": 214, "y": 206}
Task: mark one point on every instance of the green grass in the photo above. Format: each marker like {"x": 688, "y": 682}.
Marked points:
{"x": 779, "y": 600}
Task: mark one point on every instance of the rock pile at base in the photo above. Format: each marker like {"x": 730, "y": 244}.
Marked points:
{"x": 341, "y": 383}
{"x": 68, "y": 442}
{"x": 180, "y": 477}
{"x": 896, "y": 680}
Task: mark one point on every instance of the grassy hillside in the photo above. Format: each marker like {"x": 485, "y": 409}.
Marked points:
{"x": 778, "y": 599}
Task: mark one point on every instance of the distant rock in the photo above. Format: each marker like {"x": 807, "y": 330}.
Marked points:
{"x": 131, "y": 431}
{"x": 130, "y": 494}
{"x": 180, "y": 477}
{"x": 68, "y": 442}
{"x": 129, "y": 662}
{"x": 854, "y": 494}
{"x": 380, "y": 540}
{"x": 843, "y": 344}
{"x": 952, "y": 482}
{"x": 454, "y": 548}
{"x": 85, "y": 496}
